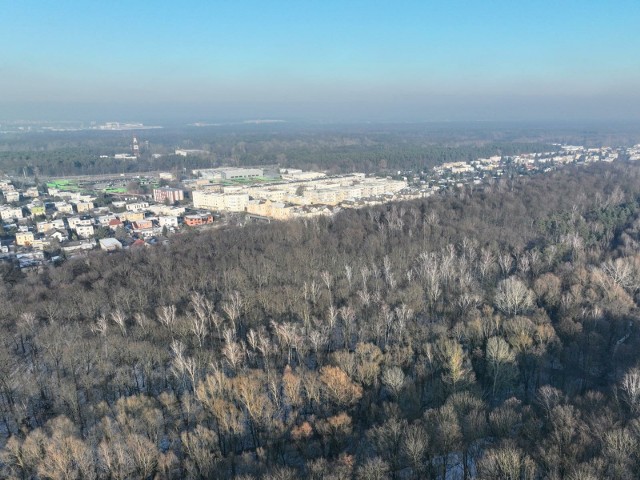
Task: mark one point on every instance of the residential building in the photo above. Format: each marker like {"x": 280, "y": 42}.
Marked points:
{"x": 142, "y": 224}
{"x": 166, "y": 210}
{"x": 196, "y": 220}
{"x": 78, "y": 246}
{"x": 84, "y": 231}
{"x": 84, "y": 206}
{"x": 36, "y": 210}
{"x": 75, "y": 222}
{"x": 110, "y": 244}
{"x": 104, "y": 220}
{"x": 59, "y": 235}
{"x": 135, "y": 207}
{"x": 11, "y": 196}
{"x": 44, "y": 227}
{"x": 171, "y": 195}
{"x": 9, "y": 213}
{"x": 168, "y": 221}
{"x": 63, "y": 207}
{"x": 114, "y": 223}
{"x": 24, "y": 239}
{"x": 58, "y": 224}
{"x": 277, "y": 210}
{"x": 31, "y": 193}
{"x": 131, "y": 216}
{"x": 233, "y": 202}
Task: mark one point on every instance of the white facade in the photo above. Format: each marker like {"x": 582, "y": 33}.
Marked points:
{"x": 11, "y": 196}
{"x": 168, "y": 221}
{"x": 8, "y": 213}
{"x": 235, "y": 202}
{"x": 134, "y": 207}
{"x": 84, "y": 231}
{"x": 64, "y": 207}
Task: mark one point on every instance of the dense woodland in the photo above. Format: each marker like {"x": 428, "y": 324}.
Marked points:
{"x": 490, "y": 333}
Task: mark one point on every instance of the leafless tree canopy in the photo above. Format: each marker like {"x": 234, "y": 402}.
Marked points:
{"x": 489, "y": 334}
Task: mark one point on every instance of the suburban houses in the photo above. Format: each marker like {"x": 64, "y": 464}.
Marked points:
{"x": 66, "y": 218}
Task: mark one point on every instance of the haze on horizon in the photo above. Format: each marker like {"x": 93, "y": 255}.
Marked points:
{"x": 321, "y": 61}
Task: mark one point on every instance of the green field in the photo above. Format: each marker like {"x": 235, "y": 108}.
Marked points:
{"x": 67, "y": 185}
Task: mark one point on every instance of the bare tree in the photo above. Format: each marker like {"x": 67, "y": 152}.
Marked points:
{"x": 167, "y": 317}
{"x": 513, "y": 296}
{"x": 630, "y": 386}
{"x": 120, "y": 319}
{"x": 393, "y": 378}
{"x": 233, "y": 309}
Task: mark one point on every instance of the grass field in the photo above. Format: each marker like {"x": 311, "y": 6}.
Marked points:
{"x": 67, "y": 185}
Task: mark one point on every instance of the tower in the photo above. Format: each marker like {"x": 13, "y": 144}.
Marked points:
{"x": 135, "y": 147}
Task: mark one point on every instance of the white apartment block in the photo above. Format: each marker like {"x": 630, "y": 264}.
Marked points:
{"x": 234, "y": 202}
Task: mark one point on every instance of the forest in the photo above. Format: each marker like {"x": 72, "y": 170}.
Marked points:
{"x": 335, "y": 149}
{"x": 488, "y": 333}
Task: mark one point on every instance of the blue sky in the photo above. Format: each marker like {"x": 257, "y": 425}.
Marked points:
{"x": 306, "y": 59}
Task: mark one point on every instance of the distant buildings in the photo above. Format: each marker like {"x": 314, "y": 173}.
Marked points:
{"x": 232, "y": 202}
{"x": 24, "y": 239}
{"x": 183, "y": 152}
{"x": 136, "y": 207}
{"x": 171, "y": 195}
{"x": 197, "y": 220}
{"x": 229, "y": 173}
{"x": 110, "y": 244}
{"x": 11, "y": 196}
{"x": 9, "y": 213}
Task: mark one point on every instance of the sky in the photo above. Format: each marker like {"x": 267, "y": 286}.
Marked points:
{"x": 321, "y": 60}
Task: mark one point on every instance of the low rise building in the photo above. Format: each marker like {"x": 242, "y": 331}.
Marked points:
{"x": 197, "y": 220}
{"x": 31, "y": 192}
{"x": 110, "y": 244}
{"x": 75, "y": 222}
{"x": 36, "y": 210}
{"x": 168, "y": 221}
{"x": 85, "y": 231}
{"x": 11, "y": 196}
{"x": 24, "y": 239}
{"x": 131, "y": 216}
{"x": 136, "y": 207}
{"x": 103, "y": 220}
{"x": 9, "y": 213}
{"x": 44, "y": 227}
{"x": 185, "y": 152}
{"x": 84, "y": 206}
{"x": 63, "y": 207}
{"x": 142, "y": 224}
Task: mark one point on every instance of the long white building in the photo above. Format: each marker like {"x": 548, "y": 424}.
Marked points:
{"x": 231, "y": 202}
